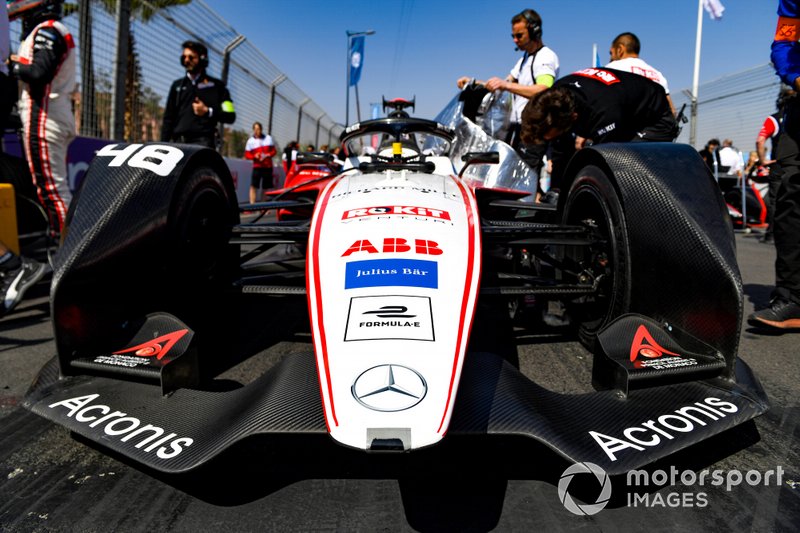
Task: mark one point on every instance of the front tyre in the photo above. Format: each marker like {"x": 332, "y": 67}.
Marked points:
{"x": 594, "y": 203}
{"x": 200, "y": 228}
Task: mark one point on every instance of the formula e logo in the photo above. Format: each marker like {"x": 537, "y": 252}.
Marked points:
{"x": 395, "y": 245}
{"x": 397, "y": 317}
{"x": 389, "y": 388}
{"x": 396, "y": 210}
{"x": 390, "y": 311}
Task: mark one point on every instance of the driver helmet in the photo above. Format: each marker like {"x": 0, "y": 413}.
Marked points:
{"x": 33, "y": 12}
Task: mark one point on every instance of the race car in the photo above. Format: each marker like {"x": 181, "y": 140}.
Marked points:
{"x": 402, "y": 250}
{"x": 312, "y": 170}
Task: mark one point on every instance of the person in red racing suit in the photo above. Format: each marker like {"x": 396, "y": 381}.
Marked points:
{"x": 46, "y": 66}
{"x": 783, "y": 313}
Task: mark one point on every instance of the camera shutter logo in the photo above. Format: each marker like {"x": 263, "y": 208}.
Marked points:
{"x": 586, "y": 509}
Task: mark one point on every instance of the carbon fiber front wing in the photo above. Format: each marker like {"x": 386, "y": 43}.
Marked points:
{"x": 185, "y": 429}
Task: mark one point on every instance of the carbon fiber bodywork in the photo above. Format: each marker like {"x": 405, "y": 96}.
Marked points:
{"x": 494, "y": 400}
{"x": 682, "y": 252}
{"x": 118, "y": 265}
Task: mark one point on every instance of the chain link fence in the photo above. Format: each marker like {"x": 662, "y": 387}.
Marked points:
{"x": 150, "y": 63}
{"x": 731, "y": 107}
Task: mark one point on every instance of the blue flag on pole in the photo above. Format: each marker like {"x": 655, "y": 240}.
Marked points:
{"x": 356, "y": 59}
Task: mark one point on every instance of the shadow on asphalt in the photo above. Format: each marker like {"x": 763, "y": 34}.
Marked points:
{"x": 460, "y": 484}
{"x": 758, "y": 295}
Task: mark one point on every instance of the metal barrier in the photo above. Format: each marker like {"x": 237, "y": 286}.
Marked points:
{"x": 732, "y": 107}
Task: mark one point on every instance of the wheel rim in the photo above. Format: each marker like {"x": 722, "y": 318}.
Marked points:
{"x": 587, "y": 207}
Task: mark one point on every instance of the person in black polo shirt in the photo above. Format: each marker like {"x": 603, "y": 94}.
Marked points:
{"x": 597, "y": 105}
{"x": 197, "y": 102}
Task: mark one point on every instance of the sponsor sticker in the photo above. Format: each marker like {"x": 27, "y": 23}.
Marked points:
{"x": 599, "y": 74}
{"x": 391, "y": 273}
{"x": 407, "y": 210}
{"x": 647, "y": 353}
{"x": 389, "y": 318}
{"x": 395, "y": 245}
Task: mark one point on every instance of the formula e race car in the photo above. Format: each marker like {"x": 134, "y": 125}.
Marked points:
{"x": 404, "y": 251}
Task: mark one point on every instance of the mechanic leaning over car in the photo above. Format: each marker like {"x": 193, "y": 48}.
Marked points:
{"x": 597, "y": 105}
{"x": 45, "y": 65}
{"x": 783, "y": 313}
{"x": 196, "y": 102}
{"x": 534, "y": 72}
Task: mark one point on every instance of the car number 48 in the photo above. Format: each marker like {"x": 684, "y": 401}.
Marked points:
{"x": 159, "y": 158}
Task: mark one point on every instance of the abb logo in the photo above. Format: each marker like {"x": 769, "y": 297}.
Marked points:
{"x": 599, "y": 74}
{"x": 395, "y": 245}
{"x": 396, "y": 210}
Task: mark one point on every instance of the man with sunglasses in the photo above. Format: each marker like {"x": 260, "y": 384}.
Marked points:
{"x": 196, "y": 102}
{"x": 534, "y": 72}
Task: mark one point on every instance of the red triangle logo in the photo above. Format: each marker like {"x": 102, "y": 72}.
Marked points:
{"x": 645, "y": 345}
{"x": 158, "y": 347}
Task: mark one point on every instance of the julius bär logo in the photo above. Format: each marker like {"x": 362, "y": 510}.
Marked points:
{"x": 396, "y": 210}
{"x": 395, "y": 245}
{"x": 390, "y": 311}
{"x": 646, "y": 346}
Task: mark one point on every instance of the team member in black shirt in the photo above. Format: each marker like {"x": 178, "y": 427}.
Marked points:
{"x": 197, "y": 102}
{"x": 599, "y": 106}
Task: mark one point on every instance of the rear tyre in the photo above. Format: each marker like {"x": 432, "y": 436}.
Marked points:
{"x": 593, "y": 202}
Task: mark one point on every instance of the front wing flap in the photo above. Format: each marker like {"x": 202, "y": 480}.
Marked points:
{"x": 183, "y": 430}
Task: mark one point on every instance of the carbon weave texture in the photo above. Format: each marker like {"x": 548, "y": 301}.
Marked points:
{"x": 495, "y": 398}
{"x": 682, "y": 251}
{"x": 116, "y": 245}
{"x": 284, "y": 400}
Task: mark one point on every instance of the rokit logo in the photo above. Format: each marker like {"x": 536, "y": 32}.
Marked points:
{"x": 417, "y": 212}
{"x": 389, "y": 318}
{"x": 127, "y": 428}
{"x": 651, "y": 433}
{"x": 646, "y": 352}
{"x": 394, "y": 245}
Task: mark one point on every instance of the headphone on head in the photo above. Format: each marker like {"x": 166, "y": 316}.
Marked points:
{"x": 200, "y": 50}
{"x": 534, "y": 28}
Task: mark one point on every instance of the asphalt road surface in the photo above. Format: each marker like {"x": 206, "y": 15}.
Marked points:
{"x": 51, "y": 481}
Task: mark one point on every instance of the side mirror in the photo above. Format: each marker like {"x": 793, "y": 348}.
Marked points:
{"x": 476, "y": 158}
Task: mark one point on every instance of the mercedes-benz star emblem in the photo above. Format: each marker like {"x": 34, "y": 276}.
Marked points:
{"x": 389, "y": 388}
